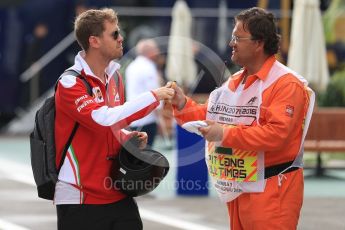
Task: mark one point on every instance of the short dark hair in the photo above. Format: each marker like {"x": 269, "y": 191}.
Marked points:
{"x": 261, "y": 25}
{"x": 91, "y": 23}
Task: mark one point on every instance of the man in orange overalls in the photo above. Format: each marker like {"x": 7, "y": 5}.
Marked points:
{"x": 256, "y": 123}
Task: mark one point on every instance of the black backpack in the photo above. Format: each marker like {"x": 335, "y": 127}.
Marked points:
{"x": 42, "y": 144}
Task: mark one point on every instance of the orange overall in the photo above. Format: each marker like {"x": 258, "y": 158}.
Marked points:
{"x": 282, "y": 112}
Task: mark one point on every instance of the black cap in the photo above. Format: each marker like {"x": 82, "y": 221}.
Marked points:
{"x": 140, "y": 170}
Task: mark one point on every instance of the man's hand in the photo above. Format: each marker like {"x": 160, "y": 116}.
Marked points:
{"x": 213, "y": 132}
{"x": 164, "y": 93}
{"x": 179, "y": 100}
{"x": 142, "y": 136}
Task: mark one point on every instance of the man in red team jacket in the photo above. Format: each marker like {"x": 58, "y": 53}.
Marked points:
{"x": 84, "y": 196}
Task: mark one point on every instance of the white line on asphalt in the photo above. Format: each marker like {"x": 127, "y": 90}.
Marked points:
{"x": 22, "y": 173}
{"x": 17, "y": 171}
{"x": 4, "y": 225}
{"x": 170, "y": 221}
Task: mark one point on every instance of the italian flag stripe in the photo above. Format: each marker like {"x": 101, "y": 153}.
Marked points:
{"x": 73, "y": 168}
{"x": 75, "y": 164}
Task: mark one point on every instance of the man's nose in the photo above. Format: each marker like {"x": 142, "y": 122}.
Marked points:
{"x": 231, "y": 43}
{"x": 120, "y": 39}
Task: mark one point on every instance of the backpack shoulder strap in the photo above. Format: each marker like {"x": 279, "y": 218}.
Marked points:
{"x": 76, "y": 125}
{"x": 76, "y": 74}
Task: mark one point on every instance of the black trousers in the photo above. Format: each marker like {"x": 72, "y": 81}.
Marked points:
{"x": 123, "y": 214}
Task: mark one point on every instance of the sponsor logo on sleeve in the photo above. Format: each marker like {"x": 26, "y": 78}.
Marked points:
{"x": 289, "y": 110}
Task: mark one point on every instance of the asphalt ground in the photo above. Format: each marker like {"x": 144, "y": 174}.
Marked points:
{"x": 20, "y": 209}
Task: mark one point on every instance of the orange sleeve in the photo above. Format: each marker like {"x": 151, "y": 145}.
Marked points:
{"x": 282, "y": 114}
{"x": 192, "y": 111}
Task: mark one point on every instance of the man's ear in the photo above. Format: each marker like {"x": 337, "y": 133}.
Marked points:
{"x": 94, "y": 42}
{"x": 260, "y": 45}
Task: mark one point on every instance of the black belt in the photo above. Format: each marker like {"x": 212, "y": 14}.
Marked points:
{"x": 276, "y": 169}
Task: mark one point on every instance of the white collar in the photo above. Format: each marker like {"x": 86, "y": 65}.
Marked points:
{"x": 80, "y": 64}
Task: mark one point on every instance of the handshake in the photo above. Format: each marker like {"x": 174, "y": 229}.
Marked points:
{"x": 210, "y": 130}
{"x": 172, "y": 93}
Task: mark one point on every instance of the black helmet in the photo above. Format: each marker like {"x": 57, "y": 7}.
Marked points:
{"x": 140, "y": 170}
